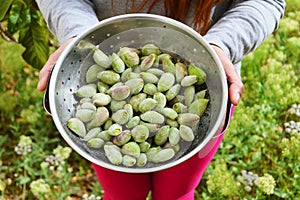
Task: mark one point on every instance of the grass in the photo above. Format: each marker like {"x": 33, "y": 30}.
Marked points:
{"x": 258, "y": 158}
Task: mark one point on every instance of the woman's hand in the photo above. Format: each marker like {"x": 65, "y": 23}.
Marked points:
{"x": 236, "y": 87}
{"x": 46, "y": 70}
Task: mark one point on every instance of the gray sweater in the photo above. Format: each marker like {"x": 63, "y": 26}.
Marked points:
{"x": 238, "y": 26}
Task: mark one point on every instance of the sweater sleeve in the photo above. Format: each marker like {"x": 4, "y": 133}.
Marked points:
{"x": 67, "y": 18}
{"x": 245, "y": 26}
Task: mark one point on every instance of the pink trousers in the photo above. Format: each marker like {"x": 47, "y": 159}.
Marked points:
{"x": 175, "y": 183}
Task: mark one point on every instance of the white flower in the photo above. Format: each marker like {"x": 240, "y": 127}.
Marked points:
{"x": 39, "y": 187}
{"x": 266, "y": 183}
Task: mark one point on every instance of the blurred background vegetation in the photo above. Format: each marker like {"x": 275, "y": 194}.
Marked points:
{"x": 258, "y": 159}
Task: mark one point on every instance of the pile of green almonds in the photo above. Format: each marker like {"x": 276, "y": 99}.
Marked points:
{"x": 139, "y": 105}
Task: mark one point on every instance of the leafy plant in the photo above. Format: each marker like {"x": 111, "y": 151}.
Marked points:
{"x": 21, "y": 22}
{"x": 258, "y": 157}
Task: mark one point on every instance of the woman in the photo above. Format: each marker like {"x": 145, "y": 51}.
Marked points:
{"x": 233, "y": 29}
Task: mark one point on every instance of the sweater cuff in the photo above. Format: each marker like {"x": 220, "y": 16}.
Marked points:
{"x": 218, "y": 42}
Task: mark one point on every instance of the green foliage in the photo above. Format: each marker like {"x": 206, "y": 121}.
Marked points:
{"x": 258, "y": 158}
{"x": 4, "y": 8}
{"x": 258, "y": 140}
{"x": 21, "y": 22}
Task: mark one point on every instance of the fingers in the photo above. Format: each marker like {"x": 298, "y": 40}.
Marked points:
{"x": 45, "y": 72}
{"x": 236, "y": 87}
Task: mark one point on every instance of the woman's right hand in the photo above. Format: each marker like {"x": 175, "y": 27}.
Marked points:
{"x": 46, "y": 70}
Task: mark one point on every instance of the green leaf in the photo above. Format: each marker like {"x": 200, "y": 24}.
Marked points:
{"x": 19, "y": 15}
{"x": 34, "y": 38}
{"x": 4, "y": 6}
{"x": 23, "y": 179}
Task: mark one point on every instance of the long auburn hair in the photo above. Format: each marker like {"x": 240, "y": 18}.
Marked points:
{"x": 179, "y": 9}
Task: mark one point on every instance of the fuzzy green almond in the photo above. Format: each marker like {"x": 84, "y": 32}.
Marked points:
{"x": 174, "y": 136}
{"x": 101, "y": 58}
{"x": 136, "y": 100}
{"x": 85, "y": 115}
{"x": 117, "y": 63}
{"x": 168, "y": 65}
{"x": 147, "y": 105}
{"x": 88, "y": 105}
{"x": 148, "y": 77}
{"x": 104, "y": 135}
{"x": 131, "y": 149}
{"x": 198, "y": 106}
{"x": 129, "y": 56}
{"x": 91, "y": 74}
{"x": 128, "y": 161}
{"x": 120, "y": 92}
{"x": 150, "y": 89}
{"x": 165, "y": 82}
{"x": 162, "y": 135}
{"x": 189, "y": 80}
{"x": 163, "y": 155}
{"x": 120, "y": 116}
{"x": 153, "y": 117}
{"x": 194, "y": 70}
{"x": 141, "y": 160}
{"x": 77, "y": 126}
{"x": 150, "y": 49}
{"x": 186, "y": 133}
{"x": 140, "y": 133}
{"x": 101, "y": 99}
{"x": 148, "y": 62}
{"x": 180, "y": 71}
{"x": 188, "y": 119}
{"x": 144, "y": 146}
{"x": 109, "y": 77}
{"x": 95, "y": 143}
{"x": 134, "y": 121}
{"x": 122, "y": 138}
{"x": 189, "y": 95}
{"x": 113, "y": 154}
{"x": 88, "y": 90}
{"x": 152, "y": 152}
{"x": 169, "y": 113}
{"x": 180, "y": 107}
{"x": 115, "y": 129}
{"x": 135, "y": 85}
{"x": 101, "y": 115}
{"x": 92, "y": 133}
{"x": 173, "y": 92}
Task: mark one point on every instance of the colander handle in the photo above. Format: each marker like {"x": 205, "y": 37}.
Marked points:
{"x": 46, "y": 103}
{"x": 229, "y": 112}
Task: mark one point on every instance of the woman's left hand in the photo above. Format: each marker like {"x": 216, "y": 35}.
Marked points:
{"x": 236, "y": 87}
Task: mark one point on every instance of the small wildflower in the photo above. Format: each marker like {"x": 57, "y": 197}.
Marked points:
{"x": 266, "y": 183}
{"x": 247, "y": 188}
{"x": 39, "y": 187}
{"x": 247, "y": 179}
{"x": 295, "y": 110}
{"x": 91, "y": 197}
{"x": 24, "y": 145}
{"x": 292, "y": 127}
{"x": 56, "y": 162}
{"x": 291, "y": 146}
{"x": 222, "y": 180}
{"x": 62, "y": 153}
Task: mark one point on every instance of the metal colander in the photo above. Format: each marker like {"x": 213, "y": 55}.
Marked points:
{"x": 136, "y": 30}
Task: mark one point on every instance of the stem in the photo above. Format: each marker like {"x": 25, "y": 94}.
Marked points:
{"x": 24, "y": 186}
{"x": 6, "y": 35}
